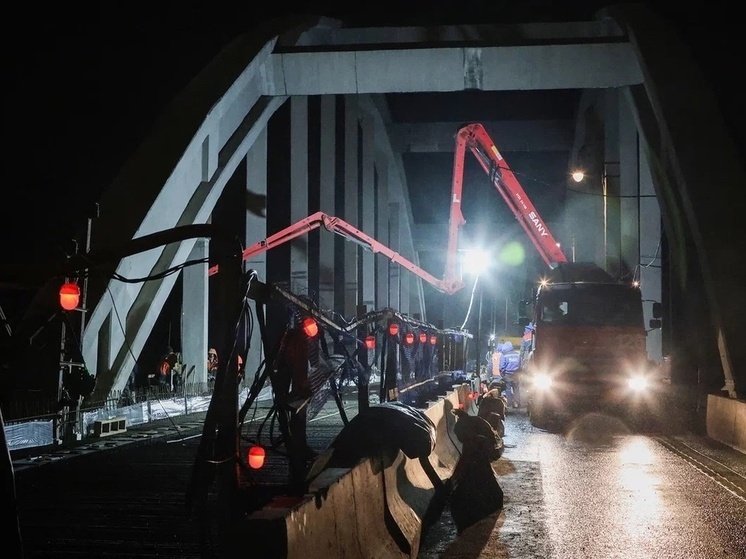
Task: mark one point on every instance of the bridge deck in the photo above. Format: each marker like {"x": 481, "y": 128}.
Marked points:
{"x": 124, "y": 495}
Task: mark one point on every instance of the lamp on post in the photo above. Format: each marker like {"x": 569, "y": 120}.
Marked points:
{"x": 578, "y": 176}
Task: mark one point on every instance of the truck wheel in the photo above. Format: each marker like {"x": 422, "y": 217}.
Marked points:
{"x": 538, "y": 416}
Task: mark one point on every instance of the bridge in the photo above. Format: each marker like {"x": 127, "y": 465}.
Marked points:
{"x": 311, "y": 115}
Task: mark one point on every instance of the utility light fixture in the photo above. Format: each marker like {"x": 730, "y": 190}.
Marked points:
{"x": 255, "y": 457}
{"x": 310, "y": 327}
{"x": 69, "y": 296}
{"x": 476, "y": 261}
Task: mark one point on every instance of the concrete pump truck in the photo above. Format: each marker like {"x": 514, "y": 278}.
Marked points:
{"x": 589, "y": 345}
{"x": 588, "y": 349}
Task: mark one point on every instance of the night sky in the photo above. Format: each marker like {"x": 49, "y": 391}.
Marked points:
{"x": 84, "y": 86}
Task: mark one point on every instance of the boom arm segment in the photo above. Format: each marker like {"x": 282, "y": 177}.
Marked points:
{"x": 349, "y": 232}
{"x": 475, "y": 138}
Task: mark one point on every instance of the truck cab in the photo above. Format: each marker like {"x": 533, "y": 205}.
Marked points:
{"x": 588, "y": 351}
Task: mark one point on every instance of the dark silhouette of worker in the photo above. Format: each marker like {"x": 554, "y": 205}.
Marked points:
{"x": 492, "y": 405}
{"x": 476, "y": 489}
{"x": 212, "y": 365}
{"x": 527, "y": 342}
{"x": 166, "y": 367}
{"x": 553, "y": 312}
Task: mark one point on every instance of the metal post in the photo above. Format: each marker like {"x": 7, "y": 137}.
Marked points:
{"x": 606, "y": 240}
{"x": 184, "y": 387}
{"x": 573, "y": 247}
{"x": 224, "y": 418}
{"x": 364, "y": 371}
{"x": 479, "y": 334}
{"x": 84, "y": 291}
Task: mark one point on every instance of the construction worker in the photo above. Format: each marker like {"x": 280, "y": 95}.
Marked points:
{"x": 492, "y": 407}
{"x": 526, "y": 341}
{"x": 495, "y": 362}
{"x": 167, "y": 367}
{"x": 510, "y": 364}
{"x": 241, "y": 369}
{"x": 212, "y": 365}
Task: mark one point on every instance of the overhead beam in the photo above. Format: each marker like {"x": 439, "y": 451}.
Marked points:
{"x": 411, "y": 70}
{"x": 330, "y": 34}
{"x": 513, "y": 136}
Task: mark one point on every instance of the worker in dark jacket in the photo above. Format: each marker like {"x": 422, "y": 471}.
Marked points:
{"x": 492, "y": 407}
{"x": 527, "y": 341}
{"x": 510, "y": 364}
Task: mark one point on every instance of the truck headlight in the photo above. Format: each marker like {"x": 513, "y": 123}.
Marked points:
{"x": 638, "y": 383}
{"x": 542, "y": 381}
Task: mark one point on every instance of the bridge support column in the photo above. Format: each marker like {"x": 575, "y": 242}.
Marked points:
{"x": 382, "y": 234}
{"x": 351, "y": 201}
{"x": 327, "y": 168}
{"x": 368, "y": 201}
{"x": 194, "y": 305}
{"x": 299, "y": 189}
{"x": 256, "y": 228}
{"x": 640, "y": 220}
{"x": 395, "y": 272}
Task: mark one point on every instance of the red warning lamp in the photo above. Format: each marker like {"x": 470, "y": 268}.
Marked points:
{"x": 423, "y": 337}
{"x": 310, "y": 327}
{"x": 370, "y": 342}
{"x": 433, "y": 339}
{"x": 393, "y": 328}
{"x": 69, "y": 296}
{"x": 255, "y": 457}
{"x": 409, "y": 338}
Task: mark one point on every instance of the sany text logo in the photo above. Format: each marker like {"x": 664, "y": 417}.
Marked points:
{"x": 537, "y": 222}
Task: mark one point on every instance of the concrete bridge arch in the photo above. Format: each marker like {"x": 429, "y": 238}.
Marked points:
{"x": 219, "y": 125}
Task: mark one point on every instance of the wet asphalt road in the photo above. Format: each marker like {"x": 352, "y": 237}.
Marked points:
{"x": 597, "y": 490}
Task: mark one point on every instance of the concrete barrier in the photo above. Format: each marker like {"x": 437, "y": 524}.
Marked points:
{"x": 365, "y": 512}
{"x": 726, "y": 421}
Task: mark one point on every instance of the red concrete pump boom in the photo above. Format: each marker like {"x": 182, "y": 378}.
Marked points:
{"x": 349, "y": 232}
{"x": 475, "y": 138}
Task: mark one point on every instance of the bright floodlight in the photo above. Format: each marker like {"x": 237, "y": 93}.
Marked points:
{"x": 578, "y": 176}
{"x": 638, "y": 384}
{"x": 476, "y": 262}
{"x": 542, "y": 381}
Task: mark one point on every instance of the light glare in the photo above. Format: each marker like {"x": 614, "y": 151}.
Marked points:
{"x": 542, "y": 381}
{"x": 638, "y": 384}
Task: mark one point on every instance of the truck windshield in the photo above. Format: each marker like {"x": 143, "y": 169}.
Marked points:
{"x": 590, "y": 305}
